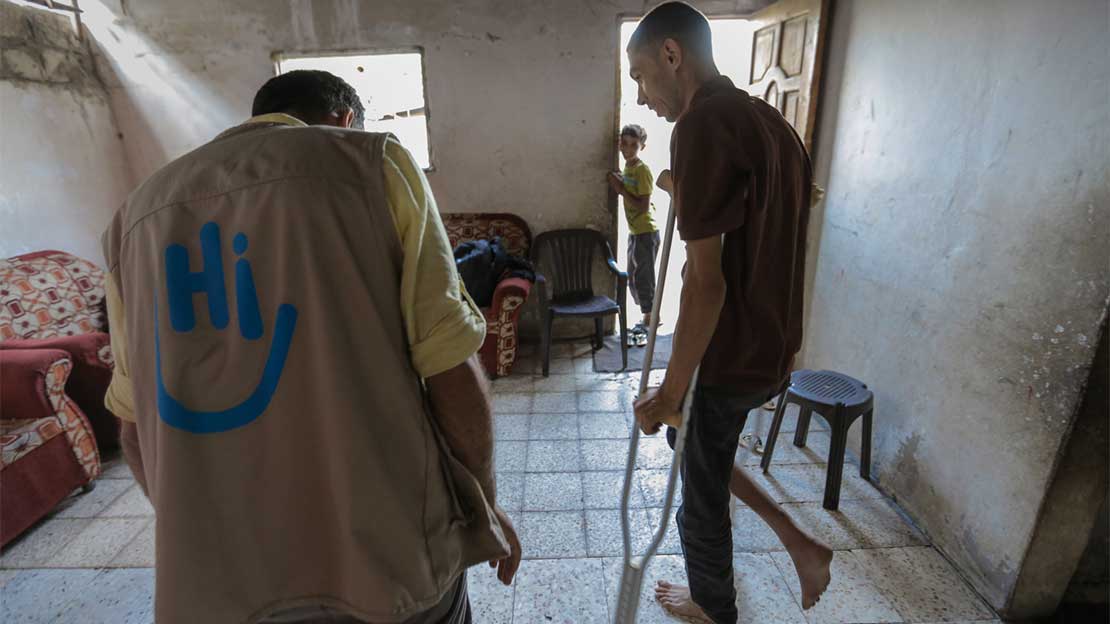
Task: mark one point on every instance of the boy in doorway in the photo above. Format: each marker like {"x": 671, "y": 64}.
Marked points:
{"x": 635, "y": 186}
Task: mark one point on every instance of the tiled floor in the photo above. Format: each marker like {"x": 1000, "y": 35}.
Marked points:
{"x": 561, "y": 448}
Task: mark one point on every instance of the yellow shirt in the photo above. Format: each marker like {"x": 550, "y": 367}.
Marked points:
{"x": 638, "y": 181}
{"x": 443, "y": 324}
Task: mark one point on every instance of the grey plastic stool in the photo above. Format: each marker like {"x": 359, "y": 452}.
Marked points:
{"x": 840, "y": 400}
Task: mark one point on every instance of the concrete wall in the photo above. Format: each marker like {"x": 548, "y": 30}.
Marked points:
{"x": 522, "y": 96}
{"x": 62, "y": 165}
{"x": 960, "y": 258}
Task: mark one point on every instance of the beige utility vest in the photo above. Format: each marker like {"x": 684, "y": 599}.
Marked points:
{"x": 286, "y": 440}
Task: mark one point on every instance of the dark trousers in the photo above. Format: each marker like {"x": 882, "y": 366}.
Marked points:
{"x": 716, "y": 421}
{"x": 642, "y": 251}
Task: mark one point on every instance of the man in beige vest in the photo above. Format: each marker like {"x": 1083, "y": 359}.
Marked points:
{"x": 296, "y": 373}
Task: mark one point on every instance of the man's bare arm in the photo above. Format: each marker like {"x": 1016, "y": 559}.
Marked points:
{"x": 703, "y": 296}
{"x": 461, "y": 404}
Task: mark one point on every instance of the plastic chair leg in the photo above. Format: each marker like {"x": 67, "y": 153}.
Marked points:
{"x": 547, "y": 342}
{"x": 801, "y": 433}
{"x": 835, "y": 473}
{"x": 865, "y": 447}
{"x": 773, "y": 434}
{"x": 599, "y": 335}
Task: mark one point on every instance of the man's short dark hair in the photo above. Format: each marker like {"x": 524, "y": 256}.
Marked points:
{"x": 678, "y": 21}
{"x": 636, "y": 132}
{"x": 309, "y": 95}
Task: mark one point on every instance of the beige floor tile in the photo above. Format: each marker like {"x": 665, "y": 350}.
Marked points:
{"x": 759, "y": 421}
{"x": 604, "y": 425}
{"x": 567, "y": 591}
{"x": 123, "y": 596}
{"x": 133, "y": 503}
{"x": 40, "y": 543}
{"x": 922, "y": 585}
{"x": 562, "y": 366}
{"x": 605, "y": 401}
{"x": 851, "y": 596}
{"x": 553, "y": 491}
{"x": 862, "y": 523}
{"x": 139, "y": 553}
{"x": 98, "y": 544}
{"x": 115, "y": 467}
{"x": 511, "y": 426}
{"x": 516, "y": 383}
{"x": 510, "y": 455}
{"x": 762, "y": 594}
{"x": 563, "y": 402}
{"x": 603, "y": 532}
{"x": 654, "y": 453}
{"x": 91, "y": 504}
{"x": 584, "y": 366}
{"x": 604, "y": 454}
{"x": 40, "y": 596}
{"x": 602, "y": 490}
{"x": 672, "y": 543}
{"x": 510, "y": 490}
{"x": 490, "y": 601}
{"x": 553, "y": 456}
{"x": 801, "y": 483}
{"x": 751, "y": 534}
{"x": 555, "y": 383}
{"x": 599, "y": 382}
{"x": 663, "y": 567}
{"x": 512, "y": 403}
{"x": 653, "y": 484}
{"x": 816, "y": 451}
{"x": 552, "y": 534}
{"x": 552, "y": 426}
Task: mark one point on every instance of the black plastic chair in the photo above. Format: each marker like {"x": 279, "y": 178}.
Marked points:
{"x": 569, "y": 255}
{"x": 840, "y": 400}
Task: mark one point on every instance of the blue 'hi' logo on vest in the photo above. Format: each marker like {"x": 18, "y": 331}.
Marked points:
{"x": 181, "y": 286}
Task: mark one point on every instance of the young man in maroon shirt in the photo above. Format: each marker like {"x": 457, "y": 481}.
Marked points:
{"x": 741, "y": 185}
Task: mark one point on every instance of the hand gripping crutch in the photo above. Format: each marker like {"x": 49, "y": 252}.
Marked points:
{"x": 632, "y": 577}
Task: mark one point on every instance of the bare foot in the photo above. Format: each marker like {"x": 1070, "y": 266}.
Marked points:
{"x": 812, "y": 561}
{"x": 676, "y": 599}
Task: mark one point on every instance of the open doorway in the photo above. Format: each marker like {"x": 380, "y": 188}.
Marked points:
{"x": 773, "y": 54}
{"x": 732, "y": 49}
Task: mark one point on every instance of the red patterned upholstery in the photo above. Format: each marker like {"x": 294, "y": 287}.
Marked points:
{"x": 47, "y": 447}
{"x": 499, "y": 350}
{"x": 51, "y": 299}
{"x": 55, "y": 366}
{"x": 49, "y": 294}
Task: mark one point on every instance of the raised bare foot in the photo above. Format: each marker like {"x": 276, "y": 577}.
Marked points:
{"x": 676, "y": 599}
{"x": 812, "y": 561}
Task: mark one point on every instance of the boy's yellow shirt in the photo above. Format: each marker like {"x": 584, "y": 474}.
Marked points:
{"x": 639, "y": 181}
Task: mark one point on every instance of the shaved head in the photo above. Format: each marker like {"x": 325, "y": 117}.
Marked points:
{"x": 678, "y": 21}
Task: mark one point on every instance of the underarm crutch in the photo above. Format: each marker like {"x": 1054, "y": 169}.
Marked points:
{"x": 632, "y": 576}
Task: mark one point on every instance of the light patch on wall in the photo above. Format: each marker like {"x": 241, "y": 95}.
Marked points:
{"x": 391, "y": 86}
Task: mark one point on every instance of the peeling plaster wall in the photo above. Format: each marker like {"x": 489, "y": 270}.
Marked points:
{"x": 62, "y": 165}
{"x": 961, "y": 254}
{"x": 522, "y": 95}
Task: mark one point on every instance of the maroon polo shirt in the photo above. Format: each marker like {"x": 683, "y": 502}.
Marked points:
{"x": 741, "y": 171}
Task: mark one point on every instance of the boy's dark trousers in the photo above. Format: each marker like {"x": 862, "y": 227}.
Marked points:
{"x": 642, "y": 251}
{"x": 717, "y": 418}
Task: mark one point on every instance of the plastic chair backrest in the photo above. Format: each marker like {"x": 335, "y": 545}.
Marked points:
{"x": 569, "y": 261}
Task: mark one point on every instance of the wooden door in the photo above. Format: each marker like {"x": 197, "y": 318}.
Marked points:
{"x": 785, "y": 61}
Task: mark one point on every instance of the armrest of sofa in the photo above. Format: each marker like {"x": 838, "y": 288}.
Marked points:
{"x": 91, "y": 355}
{"x": 510, "y": 294}
{"x": 24, "y": 385}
